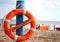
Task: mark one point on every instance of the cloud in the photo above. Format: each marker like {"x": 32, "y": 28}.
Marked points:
{"x": 5, "y": 8}
{"x": 57, "y": 3}
{"x": 51, "y": 6}
{"x": 47, "y": 2}
{"x": 7, "y": 1}
{"x": 52, "y": 3}
{"x": 39, "y": 8}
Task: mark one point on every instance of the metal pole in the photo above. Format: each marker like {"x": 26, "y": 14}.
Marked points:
{"x": 54, "y": 27}
{"x": 20, "y": 18}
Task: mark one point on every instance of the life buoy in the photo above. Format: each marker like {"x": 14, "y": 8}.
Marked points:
{"x": 9, "y": 30}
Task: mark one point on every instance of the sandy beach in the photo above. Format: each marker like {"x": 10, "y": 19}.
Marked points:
{"x": 39, "y": 36}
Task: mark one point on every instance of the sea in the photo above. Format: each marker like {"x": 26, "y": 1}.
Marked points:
{"x": 52, "y": 24}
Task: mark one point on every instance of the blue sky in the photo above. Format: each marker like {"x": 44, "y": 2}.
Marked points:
{"x": 46, "y": 10}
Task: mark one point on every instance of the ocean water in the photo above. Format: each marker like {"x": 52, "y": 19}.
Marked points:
{"x": 52, "y": 24}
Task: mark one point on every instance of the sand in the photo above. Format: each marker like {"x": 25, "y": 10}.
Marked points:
{"x": 39, "y": 36}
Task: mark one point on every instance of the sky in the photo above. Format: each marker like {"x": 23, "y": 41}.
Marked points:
{"x": 44, "y": 10}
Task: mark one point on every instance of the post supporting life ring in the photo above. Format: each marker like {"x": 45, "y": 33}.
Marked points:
{"x": 9, "y": 30}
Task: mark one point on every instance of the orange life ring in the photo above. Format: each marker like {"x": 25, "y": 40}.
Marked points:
{"x": 9, "y": 30}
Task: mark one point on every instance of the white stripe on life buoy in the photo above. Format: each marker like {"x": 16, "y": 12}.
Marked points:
{"x": 7, "y": 20}
{"x": 33, "y": 29}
